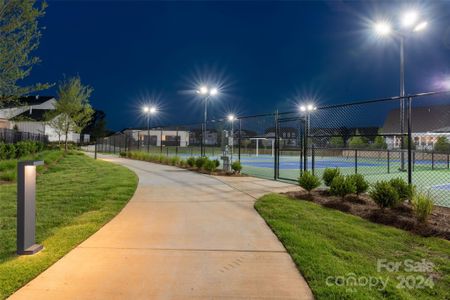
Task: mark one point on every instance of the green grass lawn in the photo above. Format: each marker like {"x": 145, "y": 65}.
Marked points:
{"x": 326, "y": 244}
{"x": 76, "y": 195}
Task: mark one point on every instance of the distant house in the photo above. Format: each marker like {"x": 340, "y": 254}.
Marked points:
{"x": 28, "y": 115}
{"x": 428, "y": 123}
{"x": 158, "y": 137}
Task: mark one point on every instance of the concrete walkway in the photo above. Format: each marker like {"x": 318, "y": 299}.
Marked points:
{"x": 183, "y": 235}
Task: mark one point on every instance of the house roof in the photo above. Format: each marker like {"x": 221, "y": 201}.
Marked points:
{"x": 31, "y": 115}
{"x": 424, "y": 119}
{"x": 28, "y": 101}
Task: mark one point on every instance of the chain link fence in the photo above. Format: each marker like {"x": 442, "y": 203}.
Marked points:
{"x": 11, "y": 136}
{"x": 373, "y": 138}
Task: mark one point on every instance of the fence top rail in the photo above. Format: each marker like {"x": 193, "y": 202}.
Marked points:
{"x": 358, "y": 102}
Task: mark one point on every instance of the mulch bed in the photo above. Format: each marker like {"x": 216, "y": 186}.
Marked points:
{"x": 437, "y": 225}
{"x": 217, "y": 172}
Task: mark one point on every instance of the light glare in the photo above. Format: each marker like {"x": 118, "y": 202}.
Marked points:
{"x": 383, "y": 28}
{"x": 302, "y": 108}
{"x": 409, "y": 18}
{"x": 421, "y": 26}
{"x": 146, "y": 109}
{"x": 213, "y": 92}
{"x": 203, "y": 90}
{"x": 231, "y": 117}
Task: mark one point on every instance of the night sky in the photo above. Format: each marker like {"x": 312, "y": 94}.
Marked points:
{"x": 263, "y": 55}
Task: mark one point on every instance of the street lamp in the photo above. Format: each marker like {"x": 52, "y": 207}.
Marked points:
{"x": 206, "y": 92}
{"x": 149, "y": 110}
{"x": 410, "y": 23}
{"x": 306, "y": 109}
{"x": 231, "y": 118}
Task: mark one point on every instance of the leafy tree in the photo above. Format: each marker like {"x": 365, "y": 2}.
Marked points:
{"x": 72, "y": 107}
{"x": 337, "y": 142}
{"x": 97, "y": 125}
{"x": 20, "y": 34}
{"x": 57, "y": 123}
{"x": 357, "y": 141}
{"x": 442, "y": 145}
{"x": 379, "y": 142}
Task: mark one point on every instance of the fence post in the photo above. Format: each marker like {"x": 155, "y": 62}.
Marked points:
{"x": 409, "y": 141}
{"x": 277, "y": 146}
{"x": 388, "y": 161}
{"x": 432, "y": 160}
{"x": 448, "y": 160}
{"x": 313, "y": 158}
{"x": 356, "y": 161}
{"x": 239, "y": 141}
{"x": 160, "y": 141}
{"x": 114, "y": 144}
{"x": 95, "y": 150}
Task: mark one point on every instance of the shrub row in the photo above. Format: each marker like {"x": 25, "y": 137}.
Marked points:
{"x": 200, "y": 163}
{"x": 386, "y": 194}
{"x": 19, "y": 149}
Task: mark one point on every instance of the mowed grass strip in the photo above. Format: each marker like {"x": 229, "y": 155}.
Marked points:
{"x": 326, "y": 243}
{"x": 76, "y": 195}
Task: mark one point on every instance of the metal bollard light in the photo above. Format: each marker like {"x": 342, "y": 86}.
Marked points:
{"x": 26, "y": 207}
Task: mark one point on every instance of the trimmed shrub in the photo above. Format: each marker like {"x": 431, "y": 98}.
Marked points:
{"x": 123, "y": 154}
{"x": 329, "y": 174}
{"x": 361, "y": 184}
{"x": 200, "y": 161}
{"x": 308, "y": 181}
{"x": 236, "y": 166}
{"x": 384, "y": 194}
{"x": 209, "y": 165}
{"x": 404, "y": 190}
{"x": 2, "y": 151}
{"x": 10, "y": 151}
{"x": 175, "y": 160}
{"x": 191, "y": 161}
{"x": 9, "y": 175}
{"x": 342, "y": 186}
{"x": 7, "y": 165}
{"x": 422, "y": 206}
{"x": 217, "y": 162}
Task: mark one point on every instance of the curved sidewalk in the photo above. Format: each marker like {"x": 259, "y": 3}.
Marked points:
{"x": 183, "y": 235}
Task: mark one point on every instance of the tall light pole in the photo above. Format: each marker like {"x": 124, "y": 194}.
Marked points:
{"x": 206, "y": 92}
{"x": 306, "y": 109}
{"x": 231, "y": 118}
{"x": 149, "y": 110}
{"x": 410, "y": 23}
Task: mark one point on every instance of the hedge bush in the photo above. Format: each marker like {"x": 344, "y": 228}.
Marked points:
{"x": 404, "y": 190}
{"x": 342, "y": 186}
{"x": 209, "y": 165}
{"x": 361, "y": 184}
{"x": 20, "y": 149}
{"x": 329, "y": 174}
{"x": 384, "y": 194}
{"x": 191, "y": 161}
{"x": 200, "y": 161}
{"x": 308, "y": 181}
{"x": 236, "y": 166}
{"x": 422, "y": 206}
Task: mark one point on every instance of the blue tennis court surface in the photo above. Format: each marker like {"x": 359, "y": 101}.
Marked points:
{"x": 442, "y": 187}
{"x": 290, "y": 165}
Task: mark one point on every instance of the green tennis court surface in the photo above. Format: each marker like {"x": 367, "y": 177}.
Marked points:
{"x": 428, "y": 176}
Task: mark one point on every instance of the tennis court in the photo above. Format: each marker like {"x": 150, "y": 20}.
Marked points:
{"x": 429, "y": 176}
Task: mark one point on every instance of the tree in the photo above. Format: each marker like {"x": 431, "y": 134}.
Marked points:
{"x": 442, "y": 145}
{"x": 57, "y": 123}
{"x": 97, "y": 125}
{"x": 19, "y": 34}
{"x": 357, "y": 141}
{"x": 379, "y": 142}
{"x": 337, "y": 142}
{"x": 72, "y": 107}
